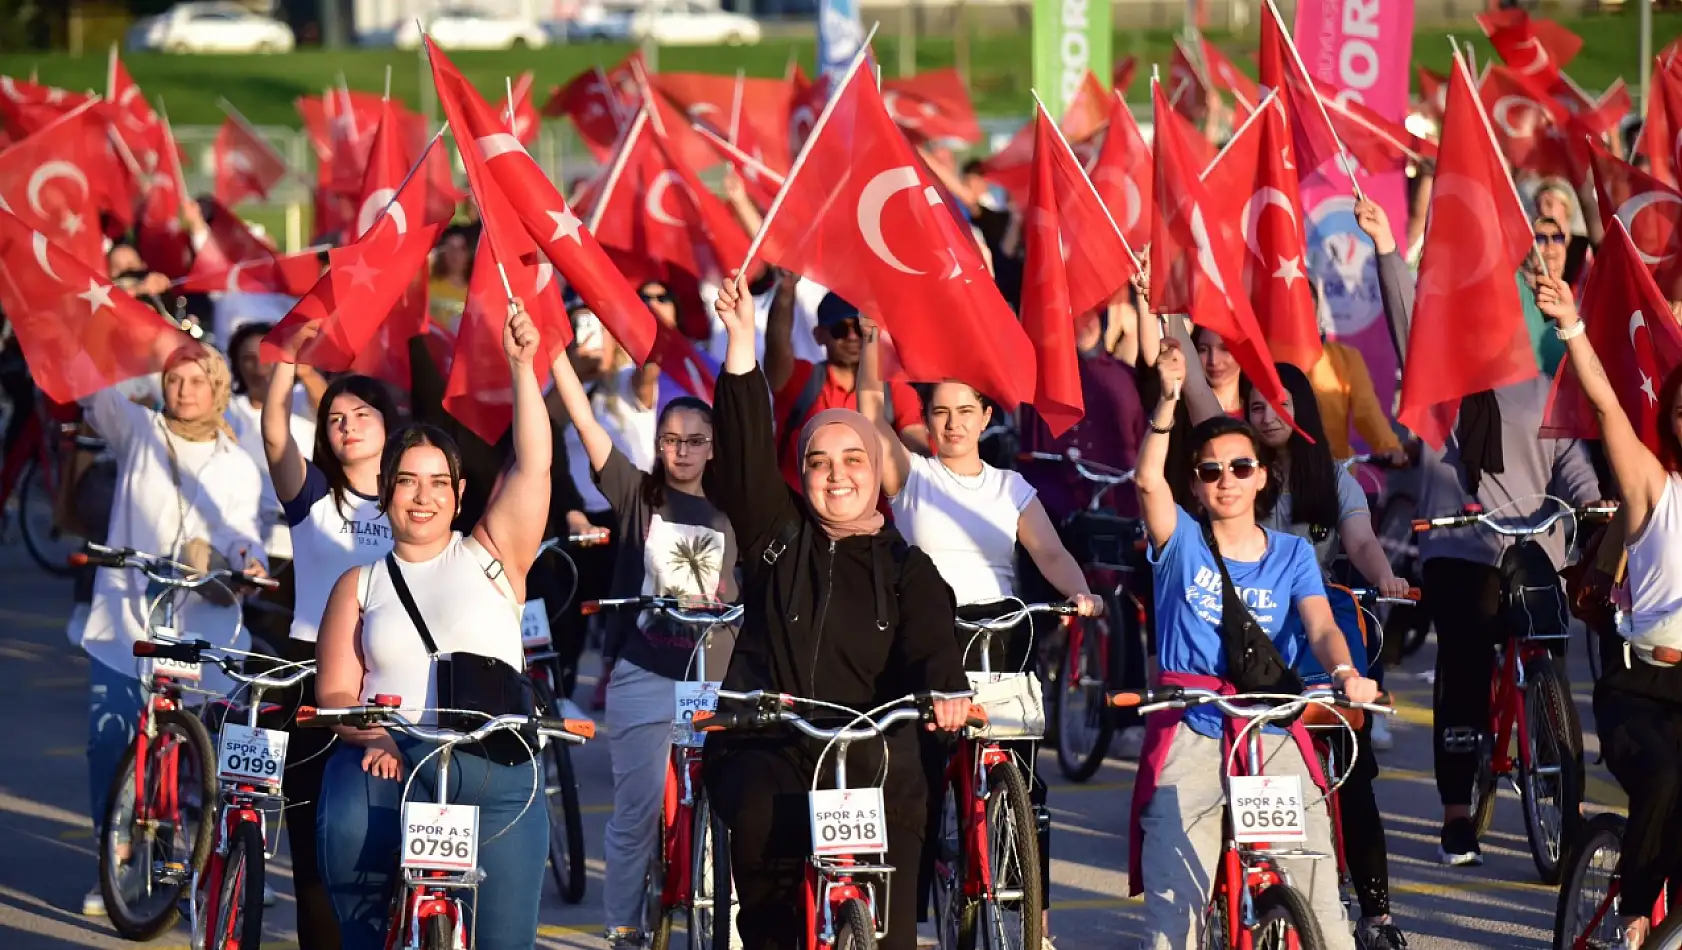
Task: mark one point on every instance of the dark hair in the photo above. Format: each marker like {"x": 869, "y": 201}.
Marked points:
{"x": 245, "y": 332}
{"x": 654, "y": 483}
{"x": 416, "y": 435}
{"x": 369, "y": 390}
{"x": 974, "y": 166}
{"x": 466, "y": 235}
{"x": 1215, "y": 427}
{"x": 1313, "y": 475}
{"x": 1670, "y": 447}
{"x": 925, "y": 394}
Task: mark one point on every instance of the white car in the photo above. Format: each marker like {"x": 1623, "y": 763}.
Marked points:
{"x": 688, "y": 23}
{"x": 217, "y": 27}
{"x": 462, "y": 27}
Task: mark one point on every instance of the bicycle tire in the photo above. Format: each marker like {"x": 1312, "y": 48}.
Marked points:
{"x": 1282, "y": 902}
{"x": 1556, "y": 740}
{"x": 241, "y": 892}
{"x": 955, "y": 913}
{"x": 1597, "y": 849}
{"x": 566, "y": 826}
{"x": 1010, "y": 821}
{"x": 56, "y": 563}
{"x": 657, "y": 919}
{"x": 1485, "y": 788}
{"x": 435, "y": 934}
{"x": 1079, "y": 764}
{"x": 855, "y": 927}
{"x": 1214, "y": 935}
{"x": 1666, "y": 936}
{"x": 188, "y": 734}
{"x": 709, "y": 929}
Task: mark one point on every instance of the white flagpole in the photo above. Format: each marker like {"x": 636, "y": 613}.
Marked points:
{"x": 736, "y": 107}
{"x": 617, "y": 168}
{"x": 1302, "y": 70}
{"x": 1089, "y": 186}
{"x": 736, "y": 153}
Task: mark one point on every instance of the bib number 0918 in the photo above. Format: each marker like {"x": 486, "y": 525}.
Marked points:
{"x": 848, "y": 821}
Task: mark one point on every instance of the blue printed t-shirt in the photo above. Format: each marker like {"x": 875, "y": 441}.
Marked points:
{"x": 1188, "y": 604}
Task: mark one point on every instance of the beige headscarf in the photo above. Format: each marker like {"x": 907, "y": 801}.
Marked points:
{"x": 221, "y": 386}
{"x": 871, "y": 520}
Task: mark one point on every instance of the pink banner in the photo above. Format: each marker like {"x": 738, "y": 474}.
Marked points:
{"x": 1361, "y": 48}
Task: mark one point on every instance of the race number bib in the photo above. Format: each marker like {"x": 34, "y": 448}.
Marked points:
{"x": 440, "y": 837}
{"x": 1267, "y": 808}
{"x": 534, "y": 625}
{"x": 691, "y": 699}
{"x": 848, "y": 821}
{"x": 175, "y": 669}
{"x": 257, "y": 756}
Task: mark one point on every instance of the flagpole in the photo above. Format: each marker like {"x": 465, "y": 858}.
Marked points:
{"x": 618, "y": 167}
{"x": 239, "y": 118}
{"x": 1137, "y": 266}
{"x": 1296, "y": 57}
{"x": 736, "y": 107}
{"x": 174, "y": 154}
{"x": 1535, "y": 256}
{"x": 614, "y": 109}
{"x": 1342, "y": 110}
{"x": 111, "y": 76}
{"x": 464, "y": 141}
{"x": 736, "y": 153}
{"x": 806, "y": 146}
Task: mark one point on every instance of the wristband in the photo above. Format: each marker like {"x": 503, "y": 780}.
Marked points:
{"x": 1341, "y": 667}
{"x": 1571, "y": 332}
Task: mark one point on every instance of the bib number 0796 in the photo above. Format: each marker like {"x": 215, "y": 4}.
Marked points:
{"x": 440, "y": 837}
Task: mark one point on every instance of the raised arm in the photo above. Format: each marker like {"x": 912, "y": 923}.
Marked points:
{"x": 598, "y": 445}
{"x": 779, "y": 330}
{"x": 512, "y": 528}
{"x": 1641, "y": 477}
{"x": 1201, "y": 401}
{"x": 1156, "y": 499}
{"x": 873, "y": 397}
{"x": 286, "y": 461}
{"x": 746, "y": 483}
{"x": 1395, "y": 281}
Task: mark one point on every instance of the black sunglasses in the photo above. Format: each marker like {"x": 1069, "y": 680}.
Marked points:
{"x": 656, "y": 298}
{"x": 1210, "y": 472}
{"x": 1543, "y": 240}
{"x": 844, "y": 329}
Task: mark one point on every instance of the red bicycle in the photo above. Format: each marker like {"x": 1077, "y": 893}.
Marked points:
{"x": 34, "y": 469}
{"x": 440, "y": 850}
{"x": 1530, "y": 701}
{"x": 843, "y": 909}
{"x": 1584, "y": 919}
{"x": 157, "y": 832}
{"x": 690, "y": 869}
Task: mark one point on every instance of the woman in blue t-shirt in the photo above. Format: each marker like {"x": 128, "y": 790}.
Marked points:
{"x": 1179, "y": 795}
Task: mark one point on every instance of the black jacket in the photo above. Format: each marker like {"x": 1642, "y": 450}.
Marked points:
{"x": 857, "y": 622}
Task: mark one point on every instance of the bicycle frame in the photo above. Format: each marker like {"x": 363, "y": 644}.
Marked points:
{"x": 1244, "y": 870}
{"x": 966, "y": 774}
{"x": 831, "y": 881}
{"x": 1506, "y": 707}
{"x": 1605, "y": 908}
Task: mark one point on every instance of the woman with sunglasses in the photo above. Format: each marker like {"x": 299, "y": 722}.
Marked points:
{"x": 1178, "y": 798}
{"x": 1552, "y": 244}
{"x": 1323, "y": 504}
{"x": 672, "y": 542}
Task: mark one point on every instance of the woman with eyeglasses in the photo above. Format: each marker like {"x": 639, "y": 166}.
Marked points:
{"x": 673, "y": 543}
{"x": 1178, "y": 798}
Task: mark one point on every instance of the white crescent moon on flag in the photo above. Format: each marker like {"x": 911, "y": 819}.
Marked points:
{"x": 1205, "y": 249}
{"x": 890, "y": 102}
{"x": 1133, "y": 203}
{"x": 1460, "y": 188}
{"x": 1537, "y": 63}
{"x": 38, "y": 242}
{"x": 498, "y": 143}
{"x": 1506, "y": 104}
{"x": 11, "y": 90}
{"x": 1253, "y": 213}
{"x": 1634, "y": 206}
{"x": 1635, "y": 320}
{"x": 545, "y": 274}
{"x": 381, "y": 200}
{"x": 47, "y": 172}
{"x": 871, "y": 200}
{"x": 654, "y": 204}
{"x": 800, "y": 124}
{"x": 233, "y": 277}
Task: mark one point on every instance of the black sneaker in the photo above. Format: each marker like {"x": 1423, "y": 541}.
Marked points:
{"x": 1379, "y": 933}
{"x": 1459, "y": 845}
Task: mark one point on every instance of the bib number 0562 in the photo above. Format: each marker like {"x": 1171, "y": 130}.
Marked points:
{"x": 848, "y": 821}
{"x": 1267, "y": 808}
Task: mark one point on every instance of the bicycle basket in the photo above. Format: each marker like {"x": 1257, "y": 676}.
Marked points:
{"x": 1533, "y": 604}
{"x": 1014, "y": 703}
{"x": 1102, "y": 539}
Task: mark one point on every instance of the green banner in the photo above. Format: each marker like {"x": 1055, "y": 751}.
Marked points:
{"x": 1070, "y": 37}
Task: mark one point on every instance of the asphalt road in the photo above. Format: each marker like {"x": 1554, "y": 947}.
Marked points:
{"x": 47, "y": 849}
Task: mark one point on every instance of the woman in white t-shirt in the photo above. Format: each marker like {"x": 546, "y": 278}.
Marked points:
{"x": 968, "y": 517}
{"x": 245, "y": 415}
{"x": 329, "y": 507}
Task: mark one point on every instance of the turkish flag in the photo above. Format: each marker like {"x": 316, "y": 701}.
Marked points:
{"x": 246, "y": 165}
{"x": 135, "y": 122}
{"x": 1227, "y": 77}
{"x": 340, "y": 125}
{"x": 385, "y": 167}
{"x": 805, "y": 104}
{"x": 1650, "y": 209}
{"x": 27, "y": 107}
{"x": 1188, "y": 94}
{"x": 1121, "y": 172}
{"x": 1194, "y": 255}
{"x": 289, "y": 274}
{"x": 754, "y": 110}
{"x": 1539, "y": 48}
{"x": 1282, "y": 71}
{"x": 51, "y": 179}
{"x": 1658, "y": 139}
{"x": 79, "y": 334}
{"x": 163, "y": 243}
{"x": 1476, "y": 238}
{"x": 1528, "y": 124}
{"x": 861, "y": 181}
{"x": 495, "y": 157}
{"x": 1122, "y": 76}
{"x": 1634, "y": 335}
{"x": 1201, "y": 153}
{"x": 230, "y": 241}
{"x": 1012, "y": 166}
{"x": 682, "y": 364}
{"x": 932, "y": 106}
{"x": 1255, "y": 182}
{"x": 1076, "y": 262}
{"x": 600, "y": 103}
{"x": 1433, "y": 93}
{"x": 1375, "y": 143}
{"x": 521, "y": 115}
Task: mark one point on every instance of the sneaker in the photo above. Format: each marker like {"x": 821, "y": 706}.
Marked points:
{"x": 93, "y": 905}
{"x": 1379, "y": 933}
{"x": 269, "y": 897}
{"x": 1380, "y": 737}
{"x": 624, "y": 938}
{"x": 1459, "y": 845}
{"x": 1130, "y": 743}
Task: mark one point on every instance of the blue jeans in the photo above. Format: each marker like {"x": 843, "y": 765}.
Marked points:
{"x": 113, "y": 719}
{"x": 359, "y": 834}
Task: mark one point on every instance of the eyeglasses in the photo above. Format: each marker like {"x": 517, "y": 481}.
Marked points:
{"x": 845, "y": 329}
{"x": 656, "y": 298}
{"x": 1241, "y": 469}
{"x": 694, "y": 443}
{"x": 1543, "y": 240}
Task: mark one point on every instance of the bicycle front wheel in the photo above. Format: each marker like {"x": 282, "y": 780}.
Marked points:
{"x": 709, "y": 880}
{"x": 1285, "y": 921}
{"x": 1011, "y": 913}
{"x": 38, "y": 523}
{"x": 855, "y": 928}
{"x": 656, "y": 916}
{"x": 1586, "y": 890}
{"x": 566, "y": 822}
{"x": 1552, "y": 780}
{"x": 239, "y": 906}
{"x": 1084, "y": 724}
{"x": 154, "y": 841}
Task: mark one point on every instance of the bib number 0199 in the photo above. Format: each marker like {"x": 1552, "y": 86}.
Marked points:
{"x": 252, "y": 755}
{"x": 440, "y": 837}
{"x": 848, "y": 821}
{"x": 1267, "y": 808}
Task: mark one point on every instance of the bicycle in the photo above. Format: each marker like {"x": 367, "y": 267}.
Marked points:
{"x": 1583, "y": 918}
{"x": 842, "y": 909}
{"x": 548, "y": 679}
{"x": 1091, "y": 662}
{"x": 690, "y": 868}
{"x": 1530, "y": 700}
{"x": 36, "y": 466}
{"x": 987, "y": 858}
{"x": 251, "y": 759}
{"x": 1252, "y": 903}
{"x": 440, "y": 850}
{"x": 159, "y": 805}
{"x": 1393, "y": 508}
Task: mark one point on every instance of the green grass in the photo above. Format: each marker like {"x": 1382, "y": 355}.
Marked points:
{"x": 264, "y": 87}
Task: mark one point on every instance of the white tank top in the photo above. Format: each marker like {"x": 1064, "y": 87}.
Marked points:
{"x": 966, "y": 524}
{"x": 464, "y": 611}
{"x": 1655, "y": 572}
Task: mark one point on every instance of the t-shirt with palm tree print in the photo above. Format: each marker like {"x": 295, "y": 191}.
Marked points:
{"x": 682, "y": 548}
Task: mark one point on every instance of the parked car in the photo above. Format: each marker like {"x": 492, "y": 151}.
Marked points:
{"x": 595, "y": 23}
{"x": 212, "y": 27}
{"x": 464, "y": 27}
{"x": 689, "y": 23}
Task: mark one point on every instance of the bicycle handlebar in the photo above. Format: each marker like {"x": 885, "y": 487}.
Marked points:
{"x": 1007, "y": 621}
{"x": 193, "y": 651}
{"x": 385, "y": 712}
{"x": 183, "y": 577}
{"x": 1091, "y": 471}
{"x": 597, "y": 539}
{"x": 680, "y": 609}
{"x": 1185, "y": 697}
{"x": 776, "y": 708}
{"x": 1474, "y": 514}
{"x": 1368, "y": 595}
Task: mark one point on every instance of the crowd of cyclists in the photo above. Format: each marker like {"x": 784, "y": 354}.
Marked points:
{"x": 858, "y": 520}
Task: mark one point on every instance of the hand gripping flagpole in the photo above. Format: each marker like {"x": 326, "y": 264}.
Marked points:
{"x": 1038, "y": 103}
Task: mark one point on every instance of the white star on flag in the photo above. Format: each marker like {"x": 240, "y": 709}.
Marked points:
{"x": 72, "y": 224}
{"x": 97, "y": 295}
{"x": 1647, "y": 388}
{"x": 361, "y": 274}
{"x": 566, "y": 223}
{"x": 1290, "y": 270}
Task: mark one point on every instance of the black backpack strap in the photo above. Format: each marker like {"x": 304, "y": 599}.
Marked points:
{"x": 780, "y": 541}
{"x": 408, "y": 600}
{"x": 803, "y": 404}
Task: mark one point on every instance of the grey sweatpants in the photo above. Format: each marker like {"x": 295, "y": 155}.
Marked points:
{"x": 1184, "y": 829}
{"x": 640, "y": 707}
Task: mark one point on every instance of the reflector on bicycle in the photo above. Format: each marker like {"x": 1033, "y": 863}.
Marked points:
{"x": 590, "y": 608}
{"x": 306, "y": 715}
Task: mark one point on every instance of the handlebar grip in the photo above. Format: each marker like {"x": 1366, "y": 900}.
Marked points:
{"x": 709, "y": 721}
{"x": 312, "y": 718}
{"x": 251, "y": 580}
{"x": 1421, "y": 524}
{"x": 1128, "y": 699}
{"x": 85, "y": 559}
